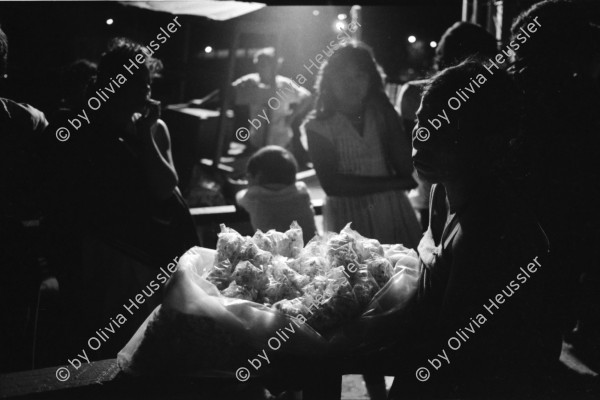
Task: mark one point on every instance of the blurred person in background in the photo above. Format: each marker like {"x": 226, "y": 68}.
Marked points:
{"x": 362, "y": 156}
{"x": 274, "y": 199}
{"x": 74, "y": 83}
{"x": 118, "y": 192}
{"x": 273, "y": 119}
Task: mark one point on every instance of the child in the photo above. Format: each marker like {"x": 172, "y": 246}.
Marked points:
{"x": 274, "y": 199}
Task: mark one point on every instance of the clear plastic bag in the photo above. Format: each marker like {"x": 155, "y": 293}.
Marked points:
{"x": 288, "y": 244}
{"x": 199, "y": 331}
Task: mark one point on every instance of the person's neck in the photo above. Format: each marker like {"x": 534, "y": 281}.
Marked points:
{"x": 274, "y": 186}
{"x": 457, "y": 192}
{"x": 268, "y": 80}
{"x": 117, "y": 123}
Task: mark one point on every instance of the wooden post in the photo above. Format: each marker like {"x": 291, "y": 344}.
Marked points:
{"x": 226, "y": 101}
{"x": 183, "y": 70}
{"x": 475, "y": 12}
{"x": 493, "y": 22}
{"x": 356, "y": 17}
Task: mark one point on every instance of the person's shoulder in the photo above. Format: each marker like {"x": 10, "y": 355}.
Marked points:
{"x": 313, "y": 123}
{"x": 161, "y": 127}
{"x": 252, "y": 193}
{"x": 160, "y": 132}
{"x": 248, "y": 79}
{"x": 295, "y": 195}
{"x": 284, "y": 81}
{"x": 309, "y": 120}
{"x": 416, "y": 85}
{"x": 240, "y": 197}
{"x": 23, "y": 115}
{"x": 412, "y": 90}
{"x": 409, "y": 98}
{"x": 301, "y": 188}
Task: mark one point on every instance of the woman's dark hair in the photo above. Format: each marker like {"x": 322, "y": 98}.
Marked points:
{"x": 3, "y": 53}
{"x": 569, "y": 32}
{"x": 463, "y": 40}
{"x": 274, "y": 164}
{"x": 483, "y": 125}
{"x": 76, "y": 77}
{"x": 352, "y": 53}
{"x": 121, "y": 52}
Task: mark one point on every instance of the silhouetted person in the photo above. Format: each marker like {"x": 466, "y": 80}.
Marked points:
{"x": 21, "y": 127}
{"x": 512, "y": 342}
{"x": 460, "y": 41}
{"x": 126, "y": 208}
{"x": 558, "y": 69}
{"x": 75, "y": 80}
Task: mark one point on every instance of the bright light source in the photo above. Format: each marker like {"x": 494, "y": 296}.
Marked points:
{"x": 109, "y": 21}
{"x": 412, "y": 39}
{"x": 433, "y": 44}
{"x": 316, "y": 12}
{"x": 342, "y": 17}
{"x": 340, "y": 25}
{"x": 208, "y": 49}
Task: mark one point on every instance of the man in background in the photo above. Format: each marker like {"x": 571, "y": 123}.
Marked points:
{"x": 274, "y": 102}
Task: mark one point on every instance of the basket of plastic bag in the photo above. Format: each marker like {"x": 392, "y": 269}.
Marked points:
{"x": 255, "y": 300}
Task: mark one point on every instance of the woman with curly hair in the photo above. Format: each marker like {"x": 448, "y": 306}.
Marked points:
{"x": 360, "y": 151}
{"x": 361, "y": 156}
{"x": 120, "y": 197}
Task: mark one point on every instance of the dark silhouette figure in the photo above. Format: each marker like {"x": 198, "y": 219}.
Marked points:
{"x": 488, "y": 235}
{"x": 21, "y": 127}
{"x": 558, "y": 70}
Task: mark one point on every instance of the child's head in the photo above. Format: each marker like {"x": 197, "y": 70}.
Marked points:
{"x": 272, "y": 165}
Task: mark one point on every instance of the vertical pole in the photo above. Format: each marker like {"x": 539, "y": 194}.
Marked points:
{"x": 185, "y": 64}
{"x": 226, "y": 100}
{"x": 498, "y": 16}
{"x": 494, "y": 18}
{"x": 465, "y": 11}
{"x": 475, "y": 12}
{"x": 356, "y": 18}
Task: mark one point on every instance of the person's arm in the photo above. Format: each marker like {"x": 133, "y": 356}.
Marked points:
{"x": 409, "y": 100}
{"x": 238, "y": 85}
{"x": 213, "y": 97}
{"x": 401, "y": 147}
{"x": 322, "y": 153}
{"x": 156, "y": 155}
{"x": 248, "y": 201}
{"x": 241, "y": 200}
{"x": 249, "y": 90}
{"x": 302, "y": 107}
